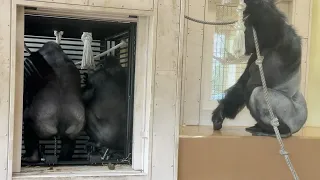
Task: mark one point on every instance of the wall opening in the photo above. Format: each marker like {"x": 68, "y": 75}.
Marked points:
{"x": 39, "y": 29}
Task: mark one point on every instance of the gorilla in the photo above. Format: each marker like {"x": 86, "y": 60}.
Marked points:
{"x": 57, "y": 108}
{"x": 105, "y": 101}
{"x": 37, "y": 72}
{"x": 281, "y": 48}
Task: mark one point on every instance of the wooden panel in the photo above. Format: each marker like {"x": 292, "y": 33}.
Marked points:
{"x": 5, "y": 25}
{"x": 207, "y": 104}
{"x": 125, "y": 4}
{"x": 168, "y": 34}
{"x": 17, "y": 55}
{"x": 286, "y": 8}
{"x": 77, "y": 2}
{"x": 121, "y": 4}
{"x": 302, "y": 17}
{"x": 184, "y": 54}
{"x": 305, "y": 48}
{"x": 141, "y": 88}
{"x": 163, "y": 128}
{"x": 165, "y": 113}
{"x": 193, "y": 62}
{"x": 77, "y": 10}
{"x": 83, "y": 178}
{"x": 234, "y": 154}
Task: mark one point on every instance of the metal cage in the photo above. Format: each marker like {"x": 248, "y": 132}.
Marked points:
{"x": 73, "y": 48}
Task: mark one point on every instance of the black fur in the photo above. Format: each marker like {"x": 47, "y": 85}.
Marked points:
{"x": 37, "y": 73}
{"x": 281, "y": 47}
{"x": 105, "y": 99}
{"x": 57, "y": 108}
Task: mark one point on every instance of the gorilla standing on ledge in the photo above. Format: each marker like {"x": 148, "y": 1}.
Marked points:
{"x": 57, "y": 108}
{"x": 105, "y": 101}
{"x": 281, "y": 48}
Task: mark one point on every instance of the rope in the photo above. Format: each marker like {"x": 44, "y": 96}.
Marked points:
{"x": 87, "y": 56}
{"x": 210, "y": 23}
{"x": 274, "y": 120}
{"x": 58, "y": 35}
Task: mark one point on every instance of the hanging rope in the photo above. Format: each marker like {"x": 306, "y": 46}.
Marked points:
{"x": 87, "y": 56}
{"x": 210, "y": 23}
{"x": 274, "y": 120}
{"x": 58, "y": 35}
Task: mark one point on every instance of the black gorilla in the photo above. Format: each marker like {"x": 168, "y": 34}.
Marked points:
{"x": 37, "y": 73}
{"x": 56, "y": 109}
{"x": 105, "y": 102}
{"x": 281, "y": 47}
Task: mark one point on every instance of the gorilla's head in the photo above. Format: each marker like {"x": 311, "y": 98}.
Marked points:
{"x": 268, "y": 22}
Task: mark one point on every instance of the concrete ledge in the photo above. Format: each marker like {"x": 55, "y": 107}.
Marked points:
{"x": 233, "y": 154}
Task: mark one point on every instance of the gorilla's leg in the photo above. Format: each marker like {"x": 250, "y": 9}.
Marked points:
{"x": 73, "y": 117}
{"x": 234, "y": 101}
{"x": 67, "y": 149}
{"x": 31, "y": 143}
{"x": 291, "y": 112}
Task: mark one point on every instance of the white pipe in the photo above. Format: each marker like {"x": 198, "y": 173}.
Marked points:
{"x": 107, "y": 51}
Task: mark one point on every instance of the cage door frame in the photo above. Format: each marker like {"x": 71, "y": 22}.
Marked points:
{"x": 143, "y": 88}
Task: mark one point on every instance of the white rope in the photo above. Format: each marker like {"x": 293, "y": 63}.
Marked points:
{"x": 87, "y": 56}
{"x": 111, "y": 49}
{"x": 274, "y": 120}
{"x": 58, "y": 35}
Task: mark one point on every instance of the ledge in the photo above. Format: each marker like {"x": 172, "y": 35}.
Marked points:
{"x": 207, "y": 132}
{"x": 232, "y": 153}
{"x": 78, "y": 172}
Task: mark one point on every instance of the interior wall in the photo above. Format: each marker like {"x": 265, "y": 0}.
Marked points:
{"x": 5, "y": 22}
{"x": 163, "y": 81}
{"x": 196, "y": 108}
{"x": 313, "y": 97}
{"x": 133, "y": 4}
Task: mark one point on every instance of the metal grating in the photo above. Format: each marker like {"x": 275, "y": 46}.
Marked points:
{"x": 73, "y": 48}
{"x": 223, "y": 75}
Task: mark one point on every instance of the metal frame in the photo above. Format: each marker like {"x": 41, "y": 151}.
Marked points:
{"x": 131, "y": 36}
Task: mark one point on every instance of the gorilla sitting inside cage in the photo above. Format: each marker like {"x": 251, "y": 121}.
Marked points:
{"x": 105, "y": 101}
{"x": 57, "y": 108}
{"x": 281, "y": 48}
{"x": 37, "y": 73}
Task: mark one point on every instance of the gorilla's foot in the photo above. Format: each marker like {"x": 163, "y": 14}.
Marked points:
{"x": 254, "y": 128}
{"x": 262, "y": 133}
{"x": 34, "y": 158}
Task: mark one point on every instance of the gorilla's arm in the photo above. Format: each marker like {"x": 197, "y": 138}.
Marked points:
{"x": 87, "y": 94}
{"x": 234, "y": 101}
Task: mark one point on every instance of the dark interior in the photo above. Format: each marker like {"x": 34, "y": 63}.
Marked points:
{"x": 73, "y": 28}
{"x": 39, "y": 29}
